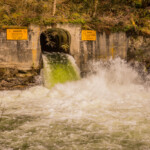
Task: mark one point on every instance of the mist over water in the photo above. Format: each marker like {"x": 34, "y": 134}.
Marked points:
{"x": 108, "y": 109}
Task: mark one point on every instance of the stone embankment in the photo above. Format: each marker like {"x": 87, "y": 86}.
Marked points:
{"x": 11, "y": 79}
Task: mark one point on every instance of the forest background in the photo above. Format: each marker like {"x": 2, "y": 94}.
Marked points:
{"x": 132, "y": 16}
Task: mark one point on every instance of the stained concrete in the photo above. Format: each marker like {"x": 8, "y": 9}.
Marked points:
{"x": 20, "y": 60}
{"x": 105, "y": 47}
{"x": 20, "y": 54}
{"x": 26, "y": 54}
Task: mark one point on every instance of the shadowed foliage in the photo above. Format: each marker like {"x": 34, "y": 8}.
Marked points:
{"x": 55, "y": 40}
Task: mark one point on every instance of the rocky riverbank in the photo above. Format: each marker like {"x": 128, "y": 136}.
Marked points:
{"x": 11, "y": 78}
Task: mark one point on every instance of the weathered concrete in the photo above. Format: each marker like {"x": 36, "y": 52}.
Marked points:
{"x": 20, "y": 54}
{"x": 26, "y": 54}
{"x": 105, "y": 47}
{"x": 20, "y": 60}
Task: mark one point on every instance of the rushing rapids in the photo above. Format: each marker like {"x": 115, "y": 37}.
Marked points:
{"x": 109, "y": 109}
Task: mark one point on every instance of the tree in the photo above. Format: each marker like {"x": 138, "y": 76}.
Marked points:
{"x": 54, "y": 8}
{"x": 95, "y": 7}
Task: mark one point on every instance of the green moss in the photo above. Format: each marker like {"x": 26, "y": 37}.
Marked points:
{"x": 77, "y": 21}
{"x": 49, "y": 21}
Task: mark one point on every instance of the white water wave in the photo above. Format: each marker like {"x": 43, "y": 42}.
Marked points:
{"x": 112, "y": 101}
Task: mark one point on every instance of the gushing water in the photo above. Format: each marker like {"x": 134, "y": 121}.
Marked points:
{"x": 109, "y": 109}
{"x": 59, "y": 68}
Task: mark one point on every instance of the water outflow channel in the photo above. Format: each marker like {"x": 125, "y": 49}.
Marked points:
{"x": 58, "y": 65}
{"x": 59, "y": 68}
{"x": 109, "y": 109}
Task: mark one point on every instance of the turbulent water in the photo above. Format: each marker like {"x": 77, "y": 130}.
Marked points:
{"x": 59, "y": 68}
{"x": 109, "y": 109}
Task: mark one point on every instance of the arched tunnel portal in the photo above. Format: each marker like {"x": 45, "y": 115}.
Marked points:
{"x": 55, "y": 40}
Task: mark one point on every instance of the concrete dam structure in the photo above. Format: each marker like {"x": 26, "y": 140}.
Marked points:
{"x": 24, "y": 53}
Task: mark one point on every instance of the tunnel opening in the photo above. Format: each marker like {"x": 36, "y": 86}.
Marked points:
{"x": 55, "y": 40}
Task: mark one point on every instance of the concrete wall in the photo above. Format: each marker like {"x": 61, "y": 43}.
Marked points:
{"x": 26, "y": 54}
{"x": 20, "y": 54}
{"x": 105, "y": 47}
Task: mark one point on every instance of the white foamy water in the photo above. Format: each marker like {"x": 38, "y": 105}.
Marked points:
{"x": 109, "y": 109}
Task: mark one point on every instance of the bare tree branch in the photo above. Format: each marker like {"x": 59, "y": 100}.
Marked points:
{"x": 95, "y": 7}
{"x": 54, "y": 8}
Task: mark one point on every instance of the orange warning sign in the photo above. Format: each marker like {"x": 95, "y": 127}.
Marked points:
{"x": 17, "y": 34}
{"x": 88, "y": 35}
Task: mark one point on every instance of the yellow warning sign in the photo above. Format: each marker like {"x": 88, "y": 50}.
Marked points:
{"x": 17, "y": 34}
{"x": 88, "y": 35}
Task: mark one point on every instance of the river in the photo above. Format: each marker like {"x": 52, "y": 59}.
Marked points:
{"x": 108, "y": 109}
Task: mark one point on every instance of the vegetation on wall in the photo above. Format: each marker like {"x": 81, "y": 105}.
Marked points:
{"x": 114, "y": 15}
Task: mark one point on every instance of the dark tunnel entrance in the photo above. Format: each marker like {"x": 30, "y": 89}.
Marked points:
{"x": 55, "y": 40}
